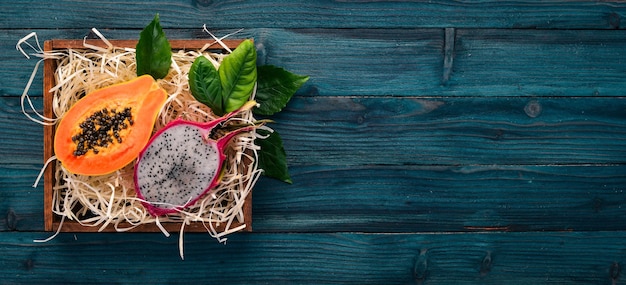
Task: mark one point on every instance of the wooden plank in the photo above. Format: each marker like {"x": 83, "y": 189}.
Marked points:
{"x": 443, "y": 198}
{"x": 21, "y": 158}
{"x": 305, "y": 14}
{"x": 539, "y": 63}
{"x": 338, "y": 258}
{"x": 411, "y": 62}
{"x": 21, "y": 205}
{"x": 21, "y": 141}
{"x": 346, "y": 131}
{"x": 49, "y": 81}
{"x": 175, "y": 43}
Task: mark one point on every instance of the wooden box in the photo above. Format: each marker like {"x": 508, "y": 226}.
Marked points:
{"x": 51, "y": 220}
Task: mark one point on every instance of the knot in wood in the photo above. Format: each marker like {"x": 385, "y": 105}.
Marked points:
{"x": 485, "y": 265}
{"x": 615, "y": 271}
{"x": 420, "y": 268}
{"x": 11, "y": 220}
{"x": 614, "y": 20}
{"x": 203, "y": 3}
{"x": 533, "y": 109}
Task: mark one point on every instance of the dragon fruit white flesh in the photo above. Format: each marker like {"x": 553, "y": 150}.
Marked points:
{"x": 180, "y": 164}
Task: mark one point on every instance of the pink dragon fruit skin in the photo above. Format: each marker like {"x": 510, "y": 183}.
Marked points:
{"x": 180, "y": 164}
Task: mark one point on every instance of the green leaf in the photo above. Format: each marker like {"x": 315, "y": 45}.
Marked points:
{"x": 238, "y": 76}
{"x": 205, "y": 85}
{"x": 272, "y": 157}
{"x": 153, "y": 51}
{"x": 275, "y": 88}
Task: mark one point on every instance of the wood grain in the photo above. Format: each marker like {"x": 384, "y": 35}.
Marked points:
{"x": 21, "y": 141}
{"x": 403, "y": 199}
{"x": 388, "y": 58}
{"x": 337, "y": 258}
{"x": 346, "y": 131}
{"x": 49, "y": 81}
{"x": 21, "y": 205}
{"x": 410, "y": 62}
{"x": 529, "y": 63}
{"x": 61, "y": 44}
{"x": 443, "y": 198}
{"x": 307, "y": 14}
{"x": 437, "y": 142}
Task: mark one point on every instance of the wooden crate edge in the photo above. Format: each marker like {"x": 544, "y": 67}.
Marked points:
{"x": 52, "y": 221}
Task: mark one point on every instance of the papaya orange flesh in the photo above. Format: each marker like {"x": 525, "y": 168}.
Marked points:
{"x": 105, "y": 130}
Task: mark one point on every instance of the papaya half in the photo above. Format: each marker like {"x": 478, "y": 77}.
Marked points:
{"x": 107, "y": 128}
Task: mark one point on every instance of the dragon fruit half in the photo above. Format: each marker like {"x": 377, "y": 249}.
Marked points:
{"x": 181, "y": 163}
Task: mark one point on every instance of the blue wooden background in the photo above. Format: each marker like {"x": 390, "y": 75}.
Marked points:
{"x": 437, "y": 142}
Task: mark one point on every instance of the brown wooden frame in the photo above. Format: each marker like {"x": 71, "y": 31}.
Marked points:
{"x": 51, "y": 220}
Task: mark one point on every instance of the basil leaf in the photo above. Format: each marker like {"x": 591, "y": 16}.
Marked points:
{"x": 272, "y": 157}
{"x": 153, "y": 51}
{"x": 205, "y": 85}
{"x": 275, "y": 88}
{"x": 238, "y": 76}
